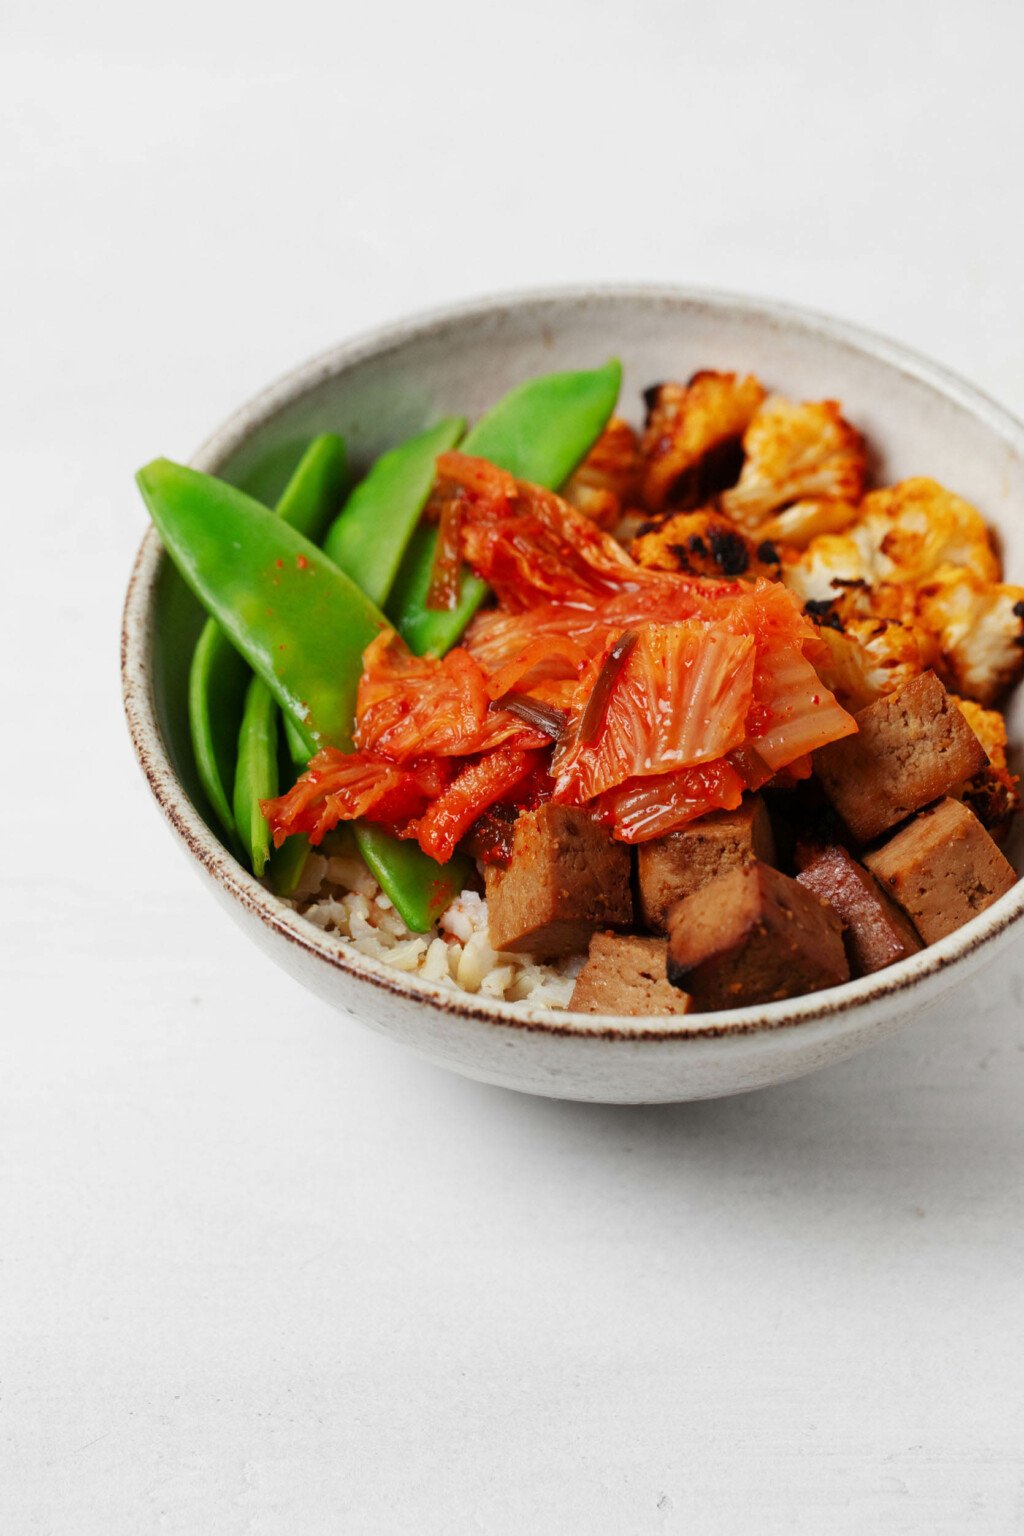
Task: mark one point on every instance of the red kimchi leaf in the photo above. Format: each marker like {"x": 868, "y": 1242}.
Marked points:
{"x": 443, "y": 591}
{"x": 795, "y": 712}
{"x": 682, "y": 698}
{"x": 497, "y": 639}
{"x": 419, "y": 706}
{"x": 529, "y": 544}
{"x": 642, "y": 809}
{"x": 476, "y": 787}
{"x": 339, "y": 786}
{"x": 543, "y": 659}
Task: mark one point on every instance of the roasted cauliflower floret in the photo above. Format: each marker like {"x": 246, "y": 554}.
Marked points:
{"x": 605, "y": 483}
{"x": 989, "y": 726}
{"x": 994, "y": 793}
{"x": 691, "y": 444}
{"x": 704, "y": 544}
{"x": 979, "y": 628}
{"x": 809, "y": 519}
{"x": 908, "y": 530}
{"x": 973, "y": 626}
{"x": 862, "y": 659}
{"x": 794, "y": 453}
{"x": 828, "y": 566}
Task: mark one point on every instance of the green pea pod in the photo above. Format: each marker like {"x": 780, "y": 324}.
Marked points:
{"x": 257, "y": 778}
{"x": 370, "y": 536}
{"x": 539, "y": 432}
{"x": 217, "y": 681}
{"x": 368, "y": 539}
{"x": 256, "y": 772}
{"x": 433, "y": 630}
{"x": 288, "y": 861}
{"x": 420, "y": 888}
{"x": 299, "y": 742}
{"x": 314, "y": 492}
{"x": 219, "y": 675}
{"x": 309, "y": 498}
{"x": 301, "y": 624}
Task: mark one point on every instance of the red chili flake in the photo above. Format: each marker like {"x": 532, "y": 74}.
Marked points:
{"x": 301, "y": 562}
{"x": 279, "y": 564}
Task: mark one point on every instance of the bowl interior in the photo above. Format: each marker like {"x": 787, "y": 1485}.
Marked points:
{"x": 374, "y": 394}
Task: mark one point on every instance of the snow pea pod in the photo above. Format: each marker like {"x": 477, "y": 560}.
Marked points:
{"x": 314, "y": 492}
{"x": 257, "y": 778}
{"x": 539, "y": 432}
{"x": 420, "y": 888}
{"x": 369, "y": 537}
{"x": 301, "y": 624}
{"x": 368, "y": 540}
{"x": 218, "y": 676}
{"x": 309, "y": 498}
{"x": 370, "y": 533}
{"x": 256, "y": 772}
{"x": 308, "y": 655}
{"x": 299, "y": 742}
{"x": 288, "y": 862}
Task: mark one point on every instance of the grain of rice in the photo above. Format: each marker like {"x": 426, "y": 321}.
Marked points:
{"x": 341, "y": 897}
{"x": 353, "y": 874}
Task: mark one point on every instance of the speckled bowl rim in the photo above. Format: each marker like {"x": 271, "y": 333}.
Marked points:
{"x": 905, "y": 985}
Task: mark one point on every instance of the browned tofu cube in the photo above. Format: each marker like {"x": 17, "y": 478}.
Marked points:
{"x": 672, "y": 867}
{"x": 912, "y": 747}
{"x": 565, "y": 879}
{"x": 877, "y": 932}
{"x": 753, "y": 936}
{"x": 626, "y": 974}
{"x": 943, "y": 869}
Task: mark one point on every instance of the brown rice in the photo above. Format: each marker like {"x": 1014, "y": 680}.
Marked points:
{"x": 339, "y": 894}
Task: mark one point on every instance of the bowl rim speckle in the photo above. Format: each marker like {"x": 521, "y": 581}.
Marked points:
{"x": 924, "y": 975}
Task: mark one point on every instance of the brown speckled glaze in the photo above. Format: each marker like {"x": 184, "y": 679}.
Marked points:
{"x": 376, "y": 389}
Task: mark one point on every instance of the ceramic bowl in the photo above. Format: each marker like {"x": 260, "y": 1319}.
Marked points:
{"x": 383, "y": 387}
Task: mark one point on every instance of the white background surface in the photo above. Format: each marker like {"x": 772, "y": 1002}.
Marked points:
{"x": 261, "y": 1273}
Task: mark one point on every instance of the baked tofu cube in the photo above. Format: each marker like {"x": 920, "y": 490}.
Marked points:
{"x": 565, "y": 879}
{"x": 877, "y": 932}
{"x": 753, "y": 936}
{"x": 675, "y": 866}
{"x": 626, "y": 974}
{"x": 912, "y": 747}
{"x": 943, "y": 869}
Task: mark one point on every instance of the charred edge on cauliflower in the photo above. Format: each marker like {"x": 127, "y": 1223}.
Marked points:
{"x": 823, "y": 611}
{"x": 691, "y": 448}
{"x": 703, "y": 543}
